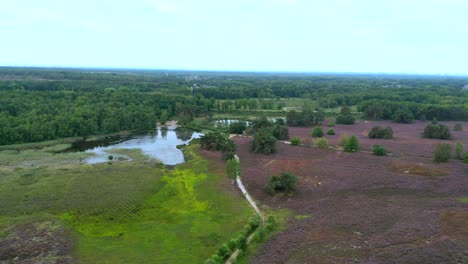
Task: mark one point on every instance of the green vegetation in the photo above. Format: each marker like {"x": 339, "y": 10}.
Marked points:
{"x": 442, "y": 152}
{"x": 465, "y": 160}
{"x": 463, "y": 199}
{"x": 232, "y": 168}
{"x": 217, "y": 141}
{"x": 379, "y": 150}
{"x": 437, "y": 131}
{"x": 381, "y": 132}
{"x": 345, "y": 117}
{"x": 317, "y": 132}
{"x": 124, "y": 212}
{"x": 264, "y": 142}
{"x": 352, "y": 144}
{"x": 322, "y": 143}
{"x": 237, "y": 127}
{"x": 459, "y": 152}
{"x": 305, "y": 118}
{"x": 342, "y": 140}
{"x": 331, "y": 132}
{"x": 286, "y": 182}
{"x": 331, "y": 123}
{"x": 458, "y": 127}
{"x": 403, "y": 116}
{"x": 295, "y": 141}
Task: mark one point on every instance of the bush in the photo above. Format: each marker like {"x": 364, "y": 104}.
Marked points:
{"x": 317, "y": 132}
{"x": 110, "y": 157}
{"x": 331, "y": 123}
{"x": 345, "y": 119}
{"x": 286, "y": 182}
{"x": 466, "y": 158}
{"x": 442, "y": 152}
{"x": 237, "y": 127}
{"x": 213, "y": 141}
{"x": 459, "y": 151}
{"x": 241, "y": 241}
{"x": 296, "y": 141}
{"x": 228, "y": 149}
{"x": 458, "y": 127}
{"x": 437, "y": 131}
{"x": 331, "y": 132}
{"x": 211, "y": 261}
{"x": 379, "y": 150}
{"x": 232, "y": 168}
{"x": 352, "y": 144}
{"x": 381, "y": 132}
{"x": 224, "y": 252}
{"x": 281, "y": 132}
{"x": 264, "y": 142}
{"x": 342, "y": 140}
{"x": 232, "y": 244}
{"x": 322, "y": 143}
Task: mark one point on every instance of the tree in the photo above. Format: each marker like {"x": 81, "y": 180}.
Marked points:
{"x": 237, "y": 127}
{"x": 228, "y": 149}
{"x": 459, "y": 151}
{"x": 380, "y": 132}
{"x": 213, "y": 141}
{"x": 437, "y": 131}
{"x": 379, "y": 150}
{"x": 442, "y": 152}
{"x": 352, "y": 144}
{"x": 286, "y": 182}
{"x": 322, "y": 143}
{"x": 403, "y": 116}
{"x": 458, "y": 127}
{"x": 232, "y": 168}
{"x": 317, "y": 132}
{"x": 345, "y": 119}
{"x": 264, "y": 142}
{"x": 296, "y": 141}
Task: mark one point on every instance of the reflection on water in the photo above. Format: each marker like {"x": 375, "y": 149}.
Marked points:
{"x": 161, "y": 145}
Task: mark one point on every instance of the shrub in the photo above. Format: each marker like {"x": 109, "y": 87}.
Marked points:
{"x": 241, "y": 241}
{"x": 342, "y": 140}
{"x": 237, "y": 127}
{"x": 458, "y": 127}
{"x": 211, "y": 261}
{"x": 466, "y": 158}
{"x": 213, "y": 141}
{"x": 331, "y": 123}
{"x": 264, "y": 142}
{"x": 296, "y": 141}
{"x": 110, "y": 157}
{"x": 442, "y": 152}
{"x": 322, "y": 143}
{"x": 232, "y": 244}
{"x": 281, "y": 132}
{"x": 232, "y": 168}
{"x": 459, "y": 151}
{"x": 317, "y": 132}
{"x": 381, "y": 132}
{"x": 286, "y": 182}
{"x": 352, "y": 144}
{"x": 224, "y": 252}
{"x": 345, "y": 119}
{"x": 228, "y": 149}
{"x": 437, "y": 131}
{"x": 254, "y": 222}
{"x": 331, "y": 132}
{"x": 379, "y": 150}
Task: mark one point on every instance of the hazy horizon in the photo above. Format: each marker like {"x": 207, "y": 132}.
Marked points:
{"x": 282, "y": 36}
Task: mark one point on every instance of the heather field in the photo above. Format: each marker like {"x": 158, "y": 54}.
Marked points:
{"x": 360, "y": 208}
{"x": 407, "y": 137}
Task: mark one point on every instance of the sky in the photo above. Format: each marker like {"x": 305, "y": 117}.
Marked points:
{"x": 381, "y": 36}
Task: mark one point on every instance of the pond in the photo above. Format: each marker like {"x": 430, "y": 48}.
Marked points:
{"x": 160, "y": 144}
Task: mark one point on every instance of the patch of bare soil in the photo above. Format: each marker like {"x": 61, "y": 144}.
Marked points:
{"x": 362, "y": 211}
{"x": 417, "y": 168}
{"x": 40, "y": 242}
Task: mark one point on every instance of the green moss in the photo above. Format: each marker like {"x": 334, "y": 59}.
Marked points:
{"x": 127, "y": 212}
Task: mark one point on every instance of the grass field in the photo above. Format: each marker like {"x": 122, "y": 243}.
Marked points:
{"x": 119, "y": 212}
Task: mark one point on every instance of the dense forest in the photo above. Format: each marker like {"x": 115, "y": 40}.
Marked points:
{"x": 39, "y": 104}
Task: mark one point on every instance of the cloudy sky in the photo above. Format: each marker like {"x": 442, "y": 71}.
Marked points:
{"x": 402, "y": 36}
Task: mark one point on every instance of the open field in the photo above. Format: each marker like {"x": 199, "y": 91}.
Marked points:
{"x": 407, "y": 137}
{"x": 360, "y": 208}
{"x": 56, "y": 210}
